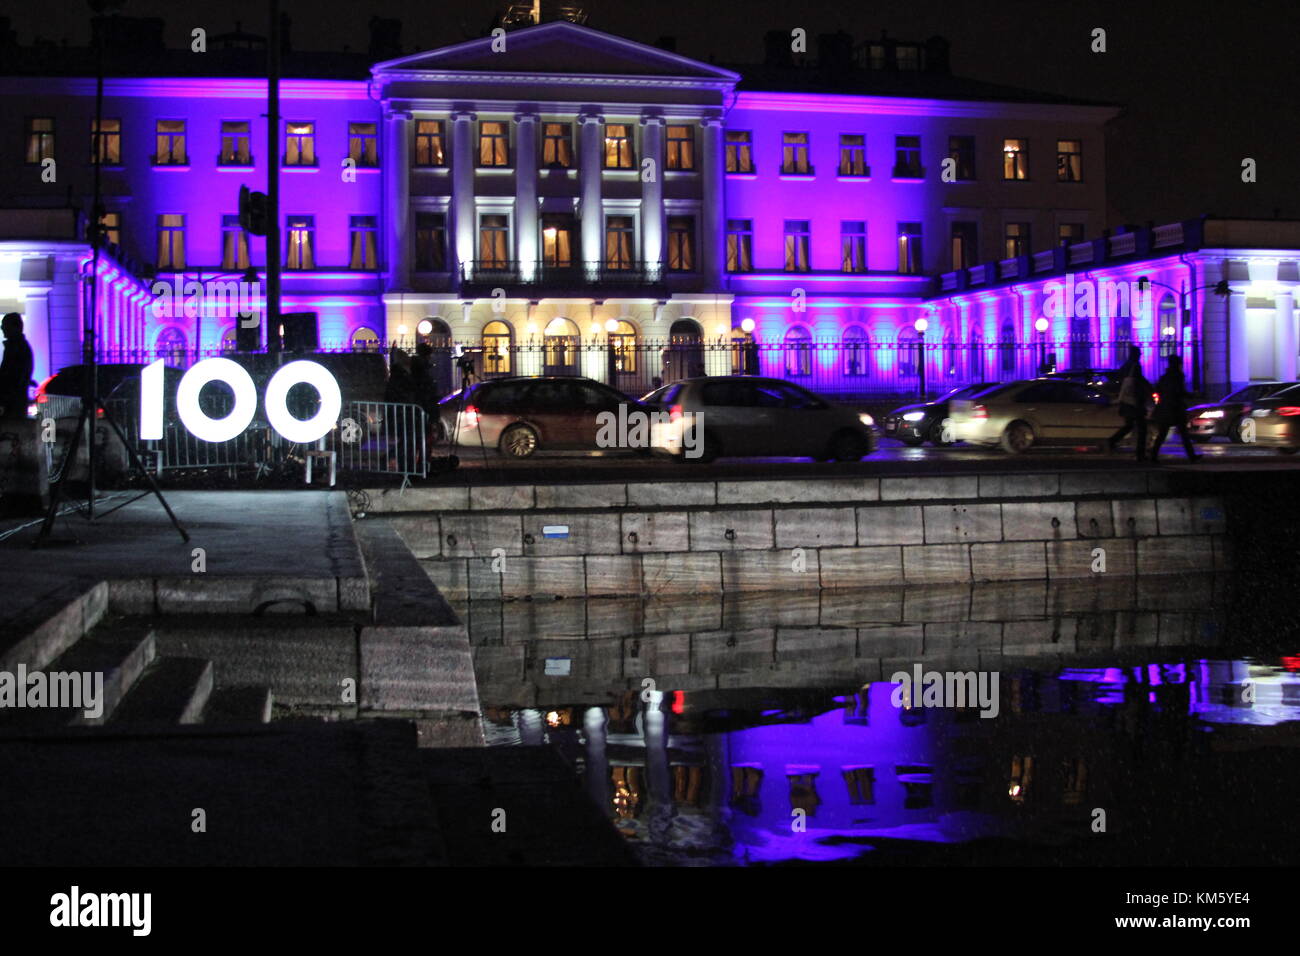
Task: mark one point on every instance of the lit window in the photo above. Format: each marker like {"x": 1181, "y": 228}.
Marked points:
{"x": 861, "y": 782}
{"x": 681, "y": 147}
{"x": 557, "y": 241}
{"x": 1068, "y": 233}
{"x": 106, "y": 142}
{"x": 739, "y": 151}
{"x": 618, "y": 146}
{"x": 171, "y": 242}
{"x": 496, "y": 348}
{"x": 794, "y": 154}
{"x": 797, "y": 240}
{"x": 740, "y": 245}
{"x": 300, "y": 144}
{"x": 170, "y": 141}
{"x": 493, "y": 143}
{"x": 557, "y": 145}
{"x": 234, "y": 244}
{"x": 1069, "y": 161}
{"x": 623, "y": 342}
{"x": 1015, "y": 159}
{"x": 110, "y": 225}
{"x": 235, "y": 140}
{"x": 429, "y": 143}
{"x": 1017, "y": 239}
{"x": 365, "y": 340}
{"x": 1022, "y": 778}
{"x": 619, "y": 243}
{"x": 853, "y": 155}
{"x": 300, "y": 252}
{"x": 363, "y": 144}
{"x": 364, "y": 240}
{"x": 910, "y": 260}
{"x": 493, "y": 241}
{"x": 40, "y": 139}
{"x": 853, "y": 246}
{"x": 681, "y": 243}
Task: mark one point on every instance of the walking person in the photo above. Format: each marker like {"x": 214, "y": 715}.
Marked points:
{"x": 1171, "y": 409}
{"x": 1134, "y": 397}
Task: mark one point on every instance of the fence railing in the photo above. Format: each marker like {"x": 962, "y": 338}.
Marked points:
{"x": 842, "y": 369}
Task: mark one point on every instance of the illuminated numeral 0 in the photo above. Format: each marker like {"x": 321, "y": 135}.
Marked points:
{"x": 203, "y": 427}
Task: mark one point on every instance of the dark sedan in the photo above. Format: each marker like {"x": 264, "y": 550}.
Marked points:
{"x": 914, "y": 424}
{"x": 1222, "y": 419}
{"x": 1274, "y": 421}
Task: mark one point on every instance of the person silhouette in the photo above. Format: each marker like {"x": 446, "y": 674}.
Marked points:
{"x": 15, "y": 368}
{"x": 1134, "y": 396}
{"x": 1171, "y": 409}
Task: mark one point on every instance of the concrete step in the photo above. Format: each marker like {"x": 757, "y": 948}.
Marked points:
{"x": 120, "y": 653}
{"x": 36, "y": 627}
{"x": 239, "y": 705}
{"x": 172, "y": 691}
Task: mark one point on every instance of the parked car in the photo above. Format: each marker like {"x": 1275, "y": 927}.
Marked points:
{"x": 1043, "y": 411}
{"x": 1276, "y": 421}
{"x": 741, "y": 415}
{"x": 1222, "y": 419}
{"x": 922, "y": 422}
{"x": 520, "y": 416}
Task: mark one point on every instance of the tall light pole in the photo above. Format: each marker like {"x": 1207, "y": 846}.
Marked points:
{"x": 1220, "y": 288}
{"x": 1040, "y": 326}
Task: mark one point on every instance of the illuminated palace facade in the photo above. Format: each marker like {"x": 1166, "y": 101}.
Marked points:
{"x": 574, "y": 193}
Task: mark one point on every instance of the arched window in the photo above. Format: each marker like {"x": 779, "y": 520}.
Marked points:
{"x": 978, "y": 360}
{"x": 798, "y": 352}
{"x": 366, "y": 340}
{"x": 1167, "y": 327}
{"x": 1007, "y": 346}
{"x": 229, "y": 339}
{"x": 171, "y": 345}
{"x": 438, "y": 334}
{"x": 907, "y": 357}
{"x": 497, "y": 342}
{"x": 685, "y": 332}
{"x": 950, "y": 357}
{"x": 855, "y": 352}
{"x": 623, "y": 341}
{"x": 560, "y": 338}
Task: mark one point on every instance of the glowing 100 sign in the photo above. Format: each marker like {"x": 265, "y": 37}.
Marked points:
{"x": 206, "y": 428}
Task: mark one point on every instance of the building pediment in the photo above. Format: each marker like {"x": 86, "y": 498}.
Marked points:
{"x": 556, "y": 49}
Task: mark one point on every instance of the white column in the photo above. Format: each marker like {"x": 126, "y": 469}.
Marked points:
{"x": 462, "y": 186}
{"x": 1284, "y": 337}
{"x": 713, "y": 234}
{"x": 36, "y": 328}
{"x": 652, "y": 194}
{"x": 397, "y": 150}
{"x": 1238, "y": 347}
{"x": 526, "y": 193}
{"x": 589, "y": 180}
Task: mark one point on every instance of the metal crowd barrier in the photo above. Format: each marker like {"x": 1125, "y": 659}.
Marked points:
{"x": 383, "y": 437}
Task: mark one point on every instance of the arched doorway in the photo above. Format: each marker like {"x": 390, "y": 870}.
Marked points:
{"x": 684, "y": 356}
{"x": 230, "y": 339}
{"x": 497, "y": 342}
{"x": 365, "y": 340}
{"x": 560, "y": 340}
{"x": 798, "y": 353}
{"x": 171, "y": 345}
{"x": 855, "y": 352}
{"x": 433, "y": 341}
{"x": 623, "y": 343}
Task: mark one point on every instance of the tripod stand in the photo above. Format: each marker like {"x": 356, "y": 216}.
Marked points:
{"x": 90, "y": 399}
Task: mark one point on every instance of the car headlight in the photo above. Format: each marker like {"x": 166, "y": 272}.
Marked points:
{"x": 866, "y": 419}
{"x": 1217, "y": 413}
{"x": 913, "y": 416}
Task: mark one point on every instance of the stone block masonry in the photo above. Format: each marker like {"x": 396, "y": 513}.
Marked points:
{"x": 625, "y": 539}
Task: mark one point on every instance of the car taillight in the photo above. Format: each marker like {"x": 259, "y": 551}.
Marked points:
{"x": 980, "y": 412}
{"x": 675, "y": 413}
{"x": 1155, "y": 397}
{"x": 1289, "y": 410}
{"x": 42, "y": 398}
{"x": 470, "y": 417}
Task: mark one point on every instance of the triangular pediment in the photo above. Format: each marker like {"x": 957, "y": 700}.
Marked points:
{"x": 558, "y": 48}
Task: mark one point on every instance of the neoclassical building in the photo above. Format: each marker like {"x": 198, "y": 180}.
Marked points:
{"x": 559, "y": 200}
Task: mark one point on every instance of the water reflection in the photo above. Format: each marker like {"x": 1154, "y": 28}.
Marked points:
{"x": 1136, "y": 724}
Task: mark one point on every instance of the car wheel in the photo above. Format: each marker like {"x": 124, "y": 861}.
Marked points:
{"x": 1018, "y": 438}
{"x": 846, "y": 446}
{"x": 518, "y": 441}
{"x": 935, "y": 435}
{"x": 1234, "y": 430}
{"x": 1287, "y": 451}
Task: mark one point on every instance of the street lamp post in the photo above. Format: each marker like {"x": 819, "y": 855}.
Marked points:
{"x": 1040, "y": 326}
{"x": 611, "y": 326}
{"x": 921, "y": 325}
{"x": 1185, "y": 313}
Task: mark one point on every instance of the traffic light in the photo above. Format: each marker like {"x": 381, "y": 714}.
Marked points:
{"x": 252, "y": 211}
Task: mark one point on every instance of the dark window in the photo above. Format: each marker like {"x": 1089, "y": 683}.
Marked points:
{"x": 727, "y": 395}
{"x": 965, "y": 248}
{"x": 961, "y": 149}
{"x": 907, "y": 158}
{"x": 1069, "y": 161}
{"x": 430, "y": 242}
{"x": 681, "y": 243}
{"x": 1017, "y": 240}
{"x": 106, "y": 142}
{"x": 40, "y": 139}
{"x": 910, "y": 260}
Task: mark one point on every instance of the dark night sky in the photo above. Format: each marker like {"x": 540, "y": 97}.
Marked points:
{"x": 1203, "y": 87}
